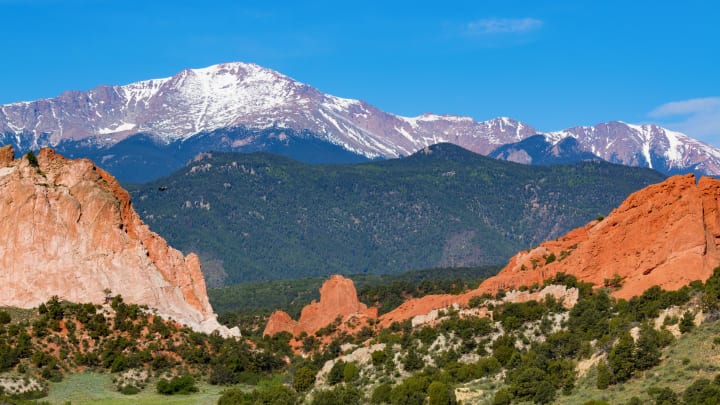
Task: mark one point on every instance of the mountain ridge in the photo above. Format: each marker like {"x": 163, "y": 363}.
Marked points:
{"x": 443, "y": 206}
{"x": 254, "y": 99}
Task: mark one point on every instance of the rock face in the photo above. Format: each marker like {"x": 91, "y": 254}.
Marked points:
{"x": 338, "y": 298}
{"x": 68, "y": 229}
{"x": 667, "y": 234}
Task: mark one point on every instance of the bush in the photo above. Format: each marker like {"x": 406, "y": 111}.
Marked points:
{"x": 32, "y": 159}
{"x": 604, "y": 376}
{"x": 235, "y": 396}
{"x": 129, "y": 390}
{"x": 502, "y": 397}
{"x": 178, "y": 385}
{"x": 440, "y": 394}
{"x": 340, "y": 395}
{"x": 277, "y": 394}
{"x": 702, "y": 391}
{"x": 664, "y": 396}
{"x": 4, "y": 318}
{"x": 304, "y": 379}
{"x": 687, "y": 323}
{"x": 381, "y": 394}
{"x": 350, "y": 372}
{"x": 337, "y": 373}
{"x": 622, "y": 358}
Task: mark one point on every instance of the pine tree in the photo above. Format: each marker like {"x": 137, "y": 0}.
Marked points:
{"x": 604, "y": 376}
{"x": 622, "y": 358}
{"x": 647, "y": 354}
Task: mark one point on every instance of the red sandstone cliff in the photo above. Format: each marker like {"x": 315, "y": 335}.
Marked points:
{"x": 667, "y": 234}
{"x": 338, "y": 298}
{"x": 67, "y": 228}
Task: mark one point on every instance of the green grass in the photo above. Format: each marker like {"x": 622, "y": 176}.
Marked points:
{"x": 691, "y": 357}
{"x": 96, "y": 388}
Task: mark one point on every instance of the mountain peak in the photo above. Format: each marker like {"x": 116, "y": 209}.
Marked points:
{"x": 235, "y": 99}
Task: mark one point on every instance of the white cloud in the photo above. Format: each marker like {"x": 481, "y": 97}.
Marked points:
{"x": 697, "y": 117}
{"x": 503, "y": 26}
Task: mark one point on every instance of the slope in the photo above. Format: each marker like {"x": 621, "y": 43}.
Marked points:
{"x": 665, "y": 235}
{"x": 261, "y": 216}
{"x": 68, "y": 229}
{"x": 245, "y": 107}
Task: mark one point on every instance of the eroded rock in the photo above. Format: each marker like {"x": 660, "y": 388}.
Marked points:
{"x": 68, "y": 228}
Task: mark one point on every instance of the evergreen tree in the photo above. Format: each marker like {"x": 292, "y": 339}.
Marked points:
{"x": 337, "y": 373}
{"x": 647, "y": 354}
{"x": 622, "y": 358}
{"x": 440, "y": 394}
{"x": 412, "y": 361}
{"x": 304, "y": 379}
{"x": 604, "y": 376}
{"x": 350, "y": 372}
{"x": 687, "y": 323}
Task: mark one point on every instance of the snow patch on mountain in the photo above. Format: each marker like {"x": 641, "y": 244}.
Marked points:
{"x": 243, "y": 95}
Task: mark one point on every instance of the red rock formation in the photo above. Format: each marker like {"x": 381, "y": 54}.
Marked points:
{"x": 338, "y": 298}
{"x": 67, "y": 228}
{"x": 667, "y": 234}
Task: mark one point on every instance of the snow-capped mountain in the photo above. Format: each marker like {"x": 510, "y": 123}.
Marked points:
{"x": 239, "y": 106}
{"x": 240, "y": 95}
{"x": 646, "y": 145}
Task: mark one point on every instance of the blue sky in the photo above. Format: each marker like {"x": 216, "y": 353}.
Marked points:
{"x": 550, "y": 64}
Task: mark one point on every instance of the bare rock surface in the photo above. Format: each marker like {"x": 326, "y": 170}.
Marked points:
{"x": 68, "y": 228}
{"x": 338, "y": 298}
{"x": 667, "y": 234}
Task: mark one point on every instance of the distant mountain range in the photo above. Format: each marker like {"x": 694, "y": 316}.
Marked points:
{"x": 262, "y": 216}
{"x": 147, "y": 129}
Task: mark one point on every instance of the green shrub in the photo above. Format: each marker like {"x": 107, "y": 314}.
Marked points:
{"x": 551, "y": 258}
{"x": 604, "y": 376}
{"x": 687, "y": 323}
{"x": 340, "y": 395}
{"x": 502, "y": 397}
{"x": 182, "y": 385}
{"x": 129, "y": 390}
{"x": 304, "y": 379}
{"x": 337, "y": 373}
{"x": 5, "y": 318}
{"x": 381, "y": 394}
{"x": 32, "y": 159}
{"x": 235, "y": 396}
{"x": 350, "y": 372}
{"x": 440, "y": 394}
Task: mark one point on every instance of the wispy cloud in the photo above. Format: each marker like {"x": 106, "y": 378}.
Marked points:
{"x": 490, "y": 26}
{"x": 697, "y": 117}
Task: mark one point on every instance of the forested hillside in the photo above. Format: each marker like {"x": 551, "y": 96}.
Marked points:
{"x": 262, "y": 216}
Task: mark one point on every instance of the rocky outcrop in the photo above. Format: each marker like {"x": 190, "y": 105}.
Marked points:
{"x": 667, "y": 234}
{"x": 338, "y": 298}
{"x": 425, "y": 310}
{"x": 67, "y": 228}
